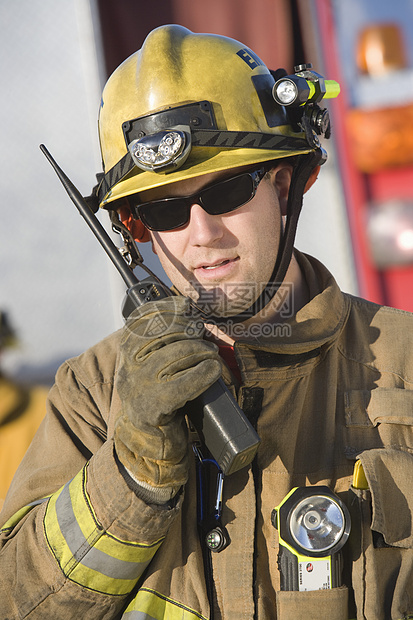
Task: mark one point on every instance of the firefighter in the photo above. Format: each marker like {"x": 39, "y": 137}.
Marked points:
{"x": 22, "y": 408}
{"x": 115, "y": 512}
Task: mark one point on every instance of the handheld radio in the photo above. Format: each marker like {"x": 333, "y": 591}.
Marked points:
{"x": 221, "y": 425}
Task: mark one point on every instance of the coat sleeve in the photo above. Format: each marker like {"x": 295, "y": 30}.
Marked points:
{"x": 75, "y": 539}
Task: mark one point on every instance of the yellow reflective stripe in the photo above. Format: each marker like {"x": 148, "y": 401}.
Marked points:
{"x": 150, "y": 605}
{"x": 18, "y": 516}
{"x": 86, "y": 553}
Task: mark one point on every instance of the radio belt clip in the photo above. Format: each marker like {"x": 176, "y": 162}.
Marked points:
{"x": 210, "y": 484}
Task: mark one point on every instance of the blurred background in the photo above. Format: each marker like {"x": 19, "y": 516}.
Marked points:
{"x": 57, "y": 287}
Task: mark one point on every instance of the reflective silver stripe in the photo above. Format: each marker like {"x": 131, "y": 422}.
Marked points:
{"x": 86, "y": 553}
{"x": 36, "y": 502}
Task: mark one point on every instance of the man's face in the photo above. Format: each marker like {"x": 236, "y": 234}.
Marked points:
{"x": 223, "y": 262}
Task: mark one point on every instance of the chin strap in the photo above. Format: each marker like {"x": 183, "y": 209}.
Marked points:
{"x": 300, "y": 177}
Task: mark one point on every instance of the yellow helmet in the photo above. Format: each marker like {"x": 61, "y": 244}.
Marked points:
{"x": 189, "y": 104}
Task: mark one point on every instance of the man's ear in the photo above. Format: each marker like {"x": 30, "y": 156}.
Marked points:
{"x": 282, "y": 181}
{"x": 138, "y": 231}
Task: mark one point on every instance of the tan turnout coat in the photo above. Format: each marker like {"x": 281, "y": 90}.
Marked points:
{"x": 336, "y": 387}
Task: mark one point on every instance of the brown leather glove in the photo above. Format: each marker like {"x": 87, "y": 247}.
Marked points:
{"x": 164, "y": 363}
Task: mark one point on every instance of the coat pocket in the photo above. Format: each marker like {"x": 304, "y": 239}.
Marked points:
{"x": 380, "y": 417}
{"x": 382, "y": 536}
{"x": 314, "y": 605}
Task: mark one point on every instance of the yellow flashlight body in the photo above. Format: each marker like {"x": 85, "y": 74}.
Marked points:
{"x": 313, "y": 525}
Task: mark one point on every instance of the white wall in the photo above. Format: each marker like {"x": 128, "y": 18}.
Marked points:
{"x": 323, "y": 228}
{"x": 55, "y": 279}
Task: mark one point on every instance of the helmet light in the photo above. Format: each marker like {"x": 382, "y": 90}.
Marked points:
{"x": 291, "y": 90}
{"x": 305, "y": 86}
{"x": 159, "y": 151}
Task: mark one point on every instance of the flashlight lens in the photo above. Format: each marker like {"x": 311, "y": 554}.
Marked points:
{"x": 286, "y": 92}
{"x": 317, "y": 523}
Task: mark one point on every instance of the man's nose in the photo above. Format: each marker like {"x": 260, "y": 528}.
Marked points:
{"x": 204, "y": 228}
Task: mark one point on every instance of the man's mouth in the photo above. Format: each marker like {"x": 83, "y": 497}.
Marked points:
{"x": 217, "y": 264}
{"x": 224, "y": 262}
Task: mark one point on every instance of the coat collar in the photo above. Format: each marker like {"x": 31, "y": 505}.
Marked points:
{"x": 317, "y": 324}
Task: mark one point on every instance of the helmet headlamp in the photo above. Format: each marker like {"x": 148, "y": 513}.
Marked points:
{"x": 161, "y": 150}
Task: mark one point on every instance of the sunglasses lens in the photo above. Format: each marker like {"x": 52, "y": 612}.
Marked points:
{"x": 228, "y": 195}
{"x": 217, "y": 199}
{"x": 164, "y": 214}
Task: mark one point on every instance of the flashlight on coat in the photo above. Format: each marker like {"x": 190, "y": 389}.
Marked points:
{"x": 313, "y": 525}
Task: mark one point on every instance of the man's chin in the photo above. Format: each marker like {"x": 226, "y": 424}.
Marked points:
{"x": 223, "y": 301}
{"x": 223, "y": 309}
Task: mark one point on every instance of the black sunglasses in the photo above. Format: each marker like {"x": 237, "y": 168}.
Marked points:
{"x": 216, "y": 199}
